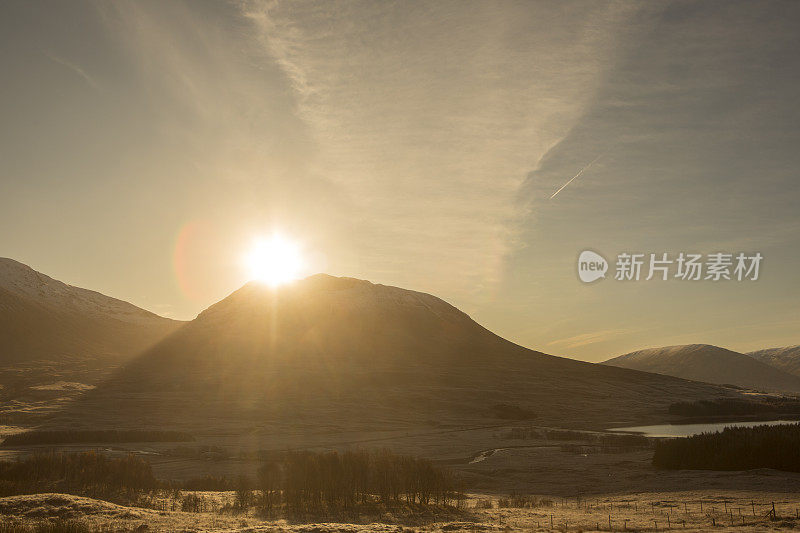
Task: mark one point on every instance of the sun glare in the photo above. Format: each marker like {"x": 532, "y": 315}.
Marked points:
{"x": 274, "y": 260}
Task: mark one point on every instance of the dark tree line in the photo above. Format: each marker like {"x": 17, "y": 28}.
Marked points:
{"x": 733, "y": 449}
{"x": 297, "y": 482}
{"x": 307, "y": 481}
{"x": 89, "y": 474}
{"x": 736, "y": 407}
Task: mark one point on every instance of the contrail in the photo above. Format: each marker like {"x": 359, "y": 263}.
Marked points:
{"x": 576, "y": 176}
{"x": 74, "y": 68}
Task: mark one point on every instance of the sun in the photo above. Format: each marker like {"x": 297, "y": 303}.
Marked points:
{"x": 274, "y": 260}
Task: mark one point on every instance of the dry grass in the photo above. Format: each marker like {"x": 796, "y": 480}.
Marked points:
{"x": 740, "y": 511}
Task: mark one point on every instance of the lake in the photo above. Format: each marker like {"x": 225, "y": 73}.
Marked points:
{"x": 687, "y": 430}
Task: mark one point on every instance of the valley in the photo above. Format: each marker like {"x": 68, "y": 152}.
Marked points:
{"x": 343, "y": 365}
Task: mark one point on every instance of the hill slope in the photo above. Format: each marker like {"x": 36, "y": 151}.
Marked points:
{"x": 43, "y": 318}
{"x": 333, "y": 354}
{"x": 711, "y": 364}
{"x": 786, "y": 358}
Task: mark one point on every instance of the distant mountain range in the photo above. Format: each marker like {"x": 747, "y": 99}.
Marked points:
{"x": 43, "y": 318}
{"x": 712, "y": 364}
{"x": 346, "y": 355}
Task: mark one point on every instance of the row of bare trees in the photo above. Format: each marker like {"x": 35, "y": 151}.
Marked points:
{"x": 306, "y": 481}
{"x": 298, "y": 482}
{"x": 87, "y": 473}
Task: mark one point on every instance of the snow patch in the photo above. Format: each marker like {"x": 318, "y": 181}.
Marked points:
{"x": 21, "y": 280}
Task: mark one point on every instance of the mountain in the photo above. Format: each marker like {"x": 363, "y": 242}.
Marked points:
{"x": 786, "y": 358}
{"x": 43, "y": 318}
{"x": 330, "y": 354}
{"x": 711, "y": 364}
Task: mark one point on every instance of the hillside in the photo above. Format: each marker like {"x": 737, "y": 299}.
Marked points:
{"x": 43, "y": 318}
{"x": 710, "y": 364}
{"x": 786, "y": 358}
{"x": 331, "y": 355}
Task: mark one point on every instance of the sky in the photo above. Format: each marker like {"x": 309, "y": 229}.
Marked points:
{"x": 145, "y": 145}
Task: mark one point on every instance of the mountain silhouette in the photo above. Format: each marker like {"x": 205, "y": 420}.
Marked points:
{"x": 346, "y": 354}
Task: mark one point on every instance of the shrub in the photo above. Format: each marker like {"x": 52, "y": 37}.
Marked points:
{"x": 243, "y": 495}
{"x": 192, "y": 503}
{"x": 484, "y": 504}
{"x": 270, "y": 482}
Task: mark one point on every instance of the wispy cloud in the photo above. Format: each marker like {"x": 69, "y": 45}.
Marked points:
{"x": 593, "y": 337}
{"x": 430, "y": 115}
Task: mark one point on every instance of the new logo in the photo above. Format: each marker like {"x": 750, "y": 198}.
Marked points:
{"x": 591, "y": 266}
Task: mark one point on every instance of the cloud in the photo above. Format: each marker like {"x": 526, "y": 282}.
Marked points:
{"x": 430, "y": 116}
{"x": 594, "y": 337}
{"x": 416, "y": 144}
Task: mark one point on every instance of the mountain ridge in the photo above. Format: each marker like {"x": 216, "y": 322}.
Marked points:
{"x": 24, "y": 281}
{"x": 44, "y": 318}
{"x": 710, "y": 364}
{"x": 786, "y": 358}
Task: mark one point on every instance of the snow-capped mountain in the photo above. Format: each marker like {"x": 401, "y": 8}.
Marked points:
{"x": 43, "y": 318}
{"x": 711, "y": 364}
{"x": 787, "y": 358}
{"x": 23, "y": 281}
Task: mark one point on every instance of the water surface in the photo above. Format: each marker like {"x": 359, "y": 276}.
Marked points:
{"x": 687, "y": 430}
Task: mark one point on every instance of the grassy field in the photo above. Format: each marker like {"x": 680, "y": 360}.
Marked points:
{"x": 742, "y": 511}
{"x": 579, "y": 479}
